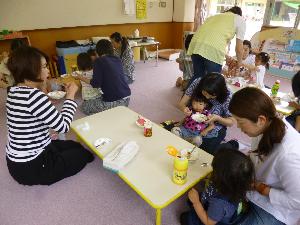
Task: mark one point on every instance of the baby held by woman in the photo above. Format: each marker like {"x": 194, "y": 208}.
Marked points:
{"x": 194, "y": 125}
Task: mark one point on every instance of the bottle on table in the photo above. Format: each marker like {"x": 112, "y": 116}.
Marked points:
{"x": 180, "y": 170}
{"x": 275, "y": 88}
{"x": 147, "y": 129}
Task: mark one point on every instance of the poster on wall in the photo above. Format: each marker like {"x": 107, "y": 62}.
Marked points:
{"x": 284, "y": 57}
{"x": 141, "y": 9}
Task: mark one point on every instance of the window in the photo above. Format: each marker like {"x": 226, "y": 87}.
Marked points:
{"x": 284, "y": 13}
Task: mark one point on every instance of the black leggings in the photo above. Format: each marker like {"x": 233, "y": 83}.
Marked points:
{"x": 59, "y": 160}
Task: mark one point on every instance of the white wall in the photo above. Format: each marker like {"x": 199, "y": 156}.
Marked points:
{"x": 43, "y": 14}
{"x": 184, "y": 10}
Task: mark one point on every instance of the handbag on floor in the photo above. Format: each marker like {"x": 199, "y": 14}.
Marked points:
{"x": 169, "y": 124}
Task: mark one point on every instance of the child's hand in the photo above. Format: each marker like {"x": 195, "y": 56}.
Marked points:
{"x": 71, "y": 89}
{"x": 3, "y": 78}
{"x": 262, "y": 188}
{"x": 78, "y": 77}
{"x": 194, "y": 196}
{"x": 187, "y": 111}
{"x": 212, "y": 118}
{"x": 294, "y": 104}
{"x": 203, "y": 133}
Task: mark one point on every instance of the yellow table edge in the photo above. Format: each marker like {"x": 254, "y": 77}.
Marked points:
{"x": 157, "y": 207}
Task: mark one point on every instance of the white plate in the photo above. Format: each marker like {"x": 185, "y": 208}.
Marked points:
{"x": 199, "y": 117}
{"x": 57, "y": 94}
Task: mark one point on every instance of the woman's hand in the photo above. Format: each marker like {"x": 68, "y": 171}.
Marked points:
{"x": 71, "y": 89}
{"x": 194, "y": 196}
{"x": 213, "y": 118}
{"x": 204, "y": 133}
{"x": 294, "y": 105}
{"x": 262, "y": 188}
{"x": 78, "y": 77}
{"x": 187, "y": 111}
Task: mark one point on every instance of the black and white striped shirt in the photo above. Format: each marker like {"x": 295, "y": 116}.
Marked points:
{"x": 30, "y": 114}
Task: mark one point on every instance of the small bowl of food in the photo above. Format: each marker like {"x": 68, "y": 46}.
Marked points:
{"x": 199, "y": 117}
{"x": 192, "y": 154}
{"x": 56, "y": 94}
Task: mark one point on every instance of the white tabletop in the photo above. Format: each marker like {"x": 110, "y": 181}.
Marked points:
{"x": 150, "y": 172}
{"x": 140, "y": 44}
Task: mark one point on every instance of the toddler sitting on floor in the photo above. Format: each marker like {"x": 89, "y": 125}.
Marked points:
{"x": 194, "y": 126}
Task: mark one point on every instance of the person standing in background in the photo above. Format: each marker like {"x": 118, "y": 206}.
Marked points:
{"x": 208, "y": 46}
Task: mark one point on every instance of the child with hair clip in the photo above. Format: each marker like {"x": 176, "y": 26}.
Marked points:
{"x": 259, "y": 69}
{"x": 221, "y": 201}
{"x": 194, "y": 126}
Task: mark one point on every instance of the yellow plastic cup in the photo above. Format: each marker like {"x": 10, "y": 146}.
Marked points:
{"x": 180, "y": 170}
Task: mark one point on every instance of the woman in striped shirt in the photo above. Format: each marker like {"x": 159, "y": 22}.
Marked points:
{"x": 32, "y": 157}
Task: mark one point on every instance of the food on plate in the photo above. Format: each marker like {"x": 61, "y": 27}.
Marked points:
{"x": 199, "y": 117}
{"x": 57, "y": 94}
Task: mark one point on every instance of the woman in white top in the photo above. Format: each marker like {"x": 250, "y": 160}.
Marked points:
{"x": 275, "y": 153}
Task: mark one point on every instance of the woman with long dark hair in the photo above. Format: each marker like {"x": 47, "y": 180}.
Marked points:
{"x": 123, "y": 50}
{"x": 212, "y": 87}
{"x": 276, "y": 157}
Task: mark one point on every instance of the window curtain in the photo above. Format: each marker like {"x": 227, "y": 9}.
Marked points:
{"x": 200, "y": 13}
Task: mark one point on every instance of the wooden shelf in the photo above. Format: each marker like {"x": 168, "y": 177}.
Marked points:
{"x": 5, "y": 43}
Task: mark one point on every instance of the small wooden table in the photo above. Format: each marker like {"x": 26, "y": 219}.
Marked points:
{"x": 144, "y": 44}
{"x": 150, "y": 172}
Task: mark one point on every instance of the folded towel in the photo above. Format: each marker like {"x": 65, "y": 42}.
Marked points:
{"x": 120, "y": 156}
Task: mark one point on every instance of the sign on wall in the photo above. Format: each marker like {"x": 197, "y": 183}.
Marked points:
{"x": 141, "y": 9}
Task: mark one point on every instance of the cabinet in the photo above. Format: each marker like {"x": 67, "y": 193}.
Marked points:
{"x": 5, "y": 43}
{"x": 67, "y": 57}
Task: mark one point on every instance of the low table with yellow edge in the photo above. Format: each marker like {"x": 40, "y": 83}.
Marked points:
{"x": 149, "y": 174}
